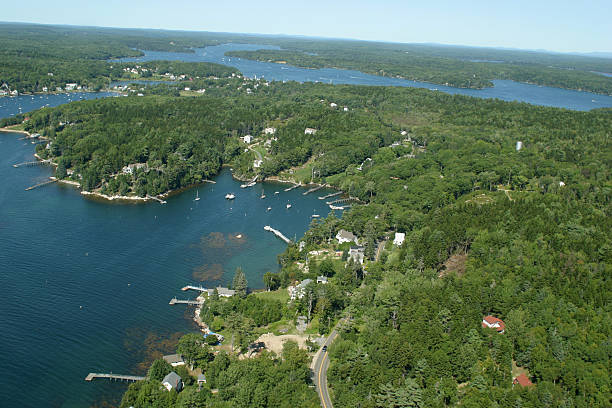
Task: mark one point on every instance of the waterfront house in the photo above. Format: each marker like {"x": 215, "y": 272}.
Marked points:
{"x": 357, "y": 254}
{"x": 174, "y": 360}
{"x": 345, "y": 236}
{"x": 3, "y": 92}
{"x": 399, "y": 238}
{"x": 310, "y": 131}
{"x": 223, "y": 292}
{"x": 71, "y": 87}
{"x": 173, "y": 382}
{"x": 493, "y": 322}
{"x": 522, "y": 380}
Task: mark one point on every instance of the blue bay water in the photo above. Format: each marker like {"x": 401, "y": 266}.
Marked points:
{"x": 503, "y": 89}
{"x": 86, "y": 284}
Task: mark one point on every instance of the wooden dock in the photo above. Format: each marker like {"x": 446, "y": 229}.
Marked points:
{"x": 121, "y": 377}
{"x": 341, "y": 200}
{"x": 32, "y": 163}
{"x": 292, "y": 187}
{"x": 44, "y": 183}
{"x": 330, "y": 195}
{"x": 312, "y": 190}
{"x": 175, "y": 301}
{"x": 159, "y": 200}
{"x": 277, "y": 233}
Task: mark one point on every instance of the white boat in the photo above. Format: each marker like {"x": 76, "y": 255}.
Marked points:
{"x": 197, "y": 196}
{"x": 276, "y": 192}
{"x": 288, "y": 206}
{"x": 244, "y": 185}
{"x": 269, "y": 209}
{"x": 315, "y": 215}
{"x": 335, "y": 207}
{"x": 262, "y": 195}
{"x": 230, "y": 196}
{"x": 251, "y": 184}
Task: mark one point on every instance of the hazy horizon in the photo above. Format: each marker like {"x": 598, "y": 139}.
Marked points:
{"x": 551, "y": 26}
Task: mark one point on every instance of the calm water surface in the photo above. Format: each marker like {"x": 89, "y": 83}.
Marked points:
{"x": 86, "y": 284}
{"x": 503, "y": 89}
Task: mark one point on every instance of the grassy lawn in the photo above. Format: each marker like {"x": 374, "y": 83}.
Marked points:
{"x": 282, "y": 295}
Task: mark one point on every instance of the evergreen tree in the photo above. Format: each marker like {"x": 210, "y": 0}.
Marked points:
{"x": 239, "y": 284}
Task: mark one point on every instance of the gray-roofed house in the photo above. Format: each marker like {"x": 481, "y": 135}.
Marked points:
{"x": 345, "y": 236}
{"x": 223, "y": 292}
{"x": 201, "y": 379}
{"x": 173, "y": 382}
{"x": 174, "y": 360}
{"x": 357, "y": 253}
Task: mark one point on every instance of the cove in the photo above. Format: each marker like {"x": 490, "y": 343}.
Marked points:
{"x": 86, "y": 283}
{"x": 503, "y": 89}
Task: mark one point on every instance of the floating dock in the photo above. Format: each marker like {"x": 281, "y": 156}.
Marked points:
{"x": 341, "y": 200}
{"x": 122, "y": 377}
{"x": 277, "y": 233}
{"x": 330, "y": 195}
{"x": 33, "y": 163}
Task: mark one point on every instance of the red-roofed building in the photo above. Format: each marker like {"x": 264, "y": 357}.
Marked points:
{"x": 522, "y": 380}
{"x": 494, "y": 323}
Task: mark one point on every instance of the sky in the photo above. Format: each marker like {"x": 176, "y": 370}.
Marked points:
{"x": 553, "y": 25}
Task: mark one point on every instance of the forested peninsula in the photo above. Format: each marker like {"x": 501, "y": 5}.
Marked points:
{"x": 461, "y": 67}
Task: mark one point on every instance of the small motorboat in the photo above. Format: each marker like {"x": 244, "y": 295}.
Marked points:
{"x": 288, "y": 206}
{"x": 230, "y": 196}
{"x": 197, "y": 196}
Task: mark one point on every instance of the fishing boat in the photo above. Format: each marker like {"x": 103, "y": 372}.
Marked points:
{"x": 230, "y": 196}
{"x": 197, "y": 196}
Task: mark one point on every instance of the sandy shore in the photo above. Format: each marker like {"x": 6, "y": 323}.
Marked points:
{"x": 9, "y": 130}
{"x": 115, "y": 197}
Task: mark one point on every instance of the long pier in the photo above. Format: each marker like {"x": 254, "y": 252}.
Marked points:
{"x": 32, "y": 163}
{"x": 159, "y": 200}
{"x": 277, "y": 233}
{"x": 292, "y": 187}
{"x": 122, "y": 377}
{"x": 341, "y": 200}
{"x": 175, "y": 301}
{"x": 44, "y": 183}
{"x": 312, "y": 190}
{"x": 330, "y": 195}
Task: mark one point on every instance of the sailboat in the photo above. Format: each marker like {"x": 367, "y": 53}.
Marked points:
{"x": 262, "y": 195}
{"x": 197, "y": 196}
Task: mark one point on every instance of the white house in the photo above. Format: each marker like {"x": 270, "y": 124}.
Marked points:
{"x": 310, "y": 131}
{"x": 346, "y": 109}
{"x": 257, "y": 164}
{"x": 357, "y": 254}
{"x": 322, "y": 279}
{"x": 399, "y": 238}
{"x": 269, "y": 131}
{"x": 333, "y": 105}
{"x": 174, "y": 360}
{"x": 223, "y": 292}
{"x": 130, "y": 168}
{"x": 345, "y": 236}
{"x": 298, "y": 291}
{"x": 173, "y": 382}
{"x": 71, "y": 87}
{"x": 247, "y": 139}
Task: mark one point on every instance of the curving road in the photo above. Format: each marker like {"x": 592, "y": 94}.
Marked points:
{"x": 321, "y": 364}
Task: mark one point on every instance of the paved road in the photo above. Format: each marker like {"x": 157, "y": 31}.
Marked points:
{"x": 320, "y": 371}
